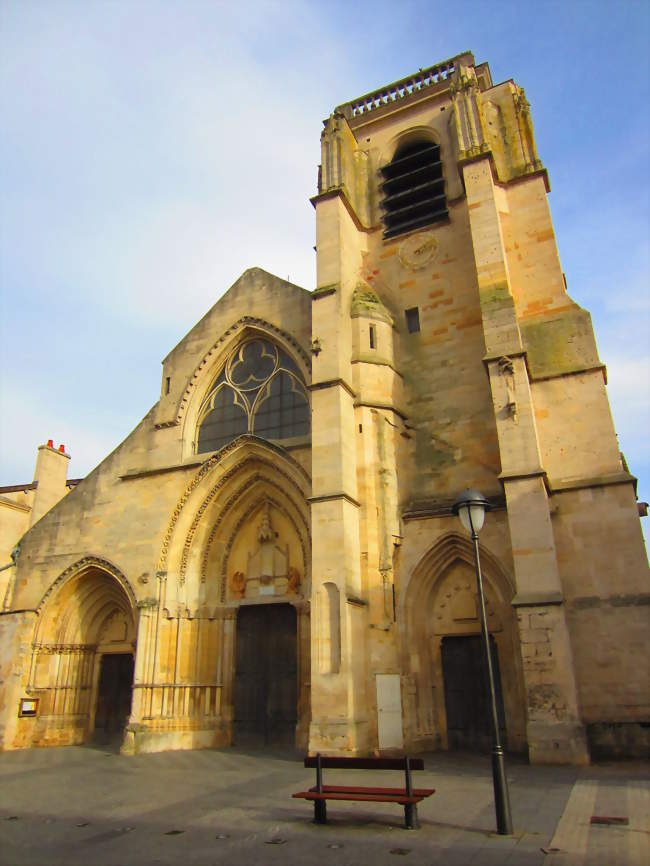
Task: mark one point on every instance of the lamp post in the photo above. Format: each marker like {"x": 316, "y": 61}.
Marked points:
{"x": 470, "y": 508}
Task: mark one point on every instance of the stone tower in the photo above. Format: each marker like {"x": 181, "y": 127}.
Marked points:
{"x": 447, "y": 355}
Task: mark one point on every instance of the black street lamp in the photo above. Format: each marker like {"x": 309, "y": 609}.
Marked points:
{"x": 471, "y": 507}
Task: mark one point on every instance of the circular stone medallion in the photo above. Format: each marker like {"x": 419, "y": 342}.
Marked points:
{"x": 418, "y": 250}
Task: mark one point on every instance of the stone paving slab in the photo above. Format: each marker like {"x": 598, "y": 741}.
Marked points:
{"x": 80, "y": 806}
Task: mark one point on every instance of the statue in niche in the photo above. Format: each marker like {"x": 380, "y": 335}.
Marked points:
{"x": 238, "y": 583}
{"x": 294, "y": 579}
{"x": 507, "y": 370}
{"x": 269, "y": 560}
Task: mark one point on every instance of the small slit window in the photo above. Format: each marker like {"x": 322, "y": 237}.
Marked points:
{"x": 373, "y": 337}
{"x": 412, "y": 320}
{"x": 414, "y": 189}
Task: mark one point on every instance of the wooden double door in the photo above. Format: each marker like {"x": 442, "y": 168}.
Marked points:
{"x": 266, "y": 676}
{"x": 467, "y": 694}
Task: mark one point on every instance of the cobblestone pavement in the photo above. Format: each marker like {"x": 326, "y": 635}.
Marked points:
{"x": 94, "y": 807}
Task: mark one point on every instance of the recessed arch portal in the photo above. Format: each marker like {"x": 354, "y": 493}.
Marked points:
{"x": 84, "y": 639}
{"x": 238, "y": 538}
{"x": 440, "y": 608}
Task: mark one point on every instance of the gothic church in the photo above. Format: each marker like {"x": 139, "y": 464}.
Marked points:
{"x": 271, "y": 555}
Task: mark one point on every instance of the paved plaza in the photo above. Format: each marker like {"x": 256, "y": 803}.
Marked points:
{"x": 93, "y": 807}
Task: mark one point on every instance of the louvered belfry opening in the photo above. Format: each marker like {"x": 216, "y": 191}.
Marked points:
{"x": 414, "y": 189}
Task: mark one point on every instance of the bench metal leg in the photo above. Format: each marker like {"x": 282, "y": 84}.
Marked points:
{"x": 320, "y": 811}
{"x": 411, "y": 821}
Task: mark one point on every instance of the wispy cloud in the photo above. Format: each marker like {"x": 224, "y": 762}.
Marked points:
{"x": 152, "y": 151}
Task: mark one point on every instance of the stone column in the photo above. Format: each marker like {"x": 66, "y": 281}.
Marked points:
{"x": 228, "y": 617}
{"x": 303, "y": 639}
{"x": 144, "y": 650}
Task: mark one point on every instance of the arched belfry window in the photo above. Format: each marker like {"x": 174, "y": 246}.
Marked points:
{"x": 414, "y": 188}
{"x": 258, "y": 390}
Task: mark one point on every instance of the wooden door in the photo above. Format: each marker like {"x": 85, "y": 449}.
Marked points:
{"x": 266, "y": 693}
{"x": 113, "y": 696}
{"x": 467, "y": 696}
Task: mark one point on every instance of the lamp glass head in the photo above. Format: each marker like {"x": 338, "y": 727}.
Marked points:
{"x": 477, "y": 514}
{"x": 471, "y": 507}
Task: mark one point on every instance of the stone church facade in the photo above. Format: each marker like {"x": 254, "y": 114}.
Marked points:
{"x": 271, "y": 555}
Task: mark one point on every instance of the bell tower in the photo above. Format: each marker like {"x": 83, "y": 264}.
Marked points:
{"x": 448, "y": 355}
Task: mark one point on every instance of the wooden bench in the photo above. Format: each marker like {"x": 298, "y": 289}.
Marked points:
{"x": 408, "y": 796}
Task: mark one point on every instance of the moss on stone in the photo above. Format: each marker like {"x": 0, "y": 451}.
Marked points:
{"x": 368, "y": 304}
{"x": 496, "y": 295}
{"x": 559, "y": 343}
{"x": 326, "y": 290}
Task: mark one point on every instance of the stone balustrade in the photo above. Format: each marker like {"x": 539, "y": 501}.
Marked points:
{"x": 421, "y": 80}
{"x": 168, "y": 700}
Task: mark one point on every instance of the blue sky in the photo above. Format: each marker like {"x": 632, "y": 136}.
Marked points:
{"x": 152, "y": 151}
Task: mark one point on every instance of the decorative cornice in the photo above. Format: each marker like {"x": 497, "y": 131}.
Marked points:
{"x": 388, "y": 407}
{"x": 5, "y": 502}
{"x": 330, "y": 497}
{"x": 378, "y": 362}
{"x": 593, "y": 368}
{"x": 339, "y": 192}
{"x": 356, "y": 601}
{"x": 324, "y": 291}
{"x": 146, "y": 603}
{"x": 331, "y": 383}
{"x": 161, "y": 470}
{"x": 565, "y": 485}
{"x": 519, "y": 476}
{"x": 63, "y": 649}
{"x": 425, "y": 508}
{"x": 537, "y": 599}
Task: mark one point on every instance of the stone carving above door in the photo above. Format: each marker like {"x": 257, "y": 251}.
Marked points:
{"x": 268, "y": 572}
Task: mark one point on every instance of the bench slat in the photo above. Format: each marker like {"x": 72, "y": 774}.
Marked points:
{"x": 338, "y": 763}
{"x": 369, "y": 798}
{"x": 351, "y": 789}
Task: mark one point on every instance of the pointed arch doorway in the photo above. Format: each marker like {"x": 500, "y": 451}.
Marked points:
{"x": 82, "y": 665}
{"x": 444, "y": 653}
{"x": 266, "y": 676}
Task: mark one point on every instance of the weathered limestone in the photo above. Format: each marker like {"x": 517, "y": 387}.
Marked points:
{"x": 448, "y": 355}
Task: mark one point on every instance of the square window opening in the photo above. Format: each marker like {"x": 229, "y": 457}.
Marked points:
{"x": 412, "y": 320}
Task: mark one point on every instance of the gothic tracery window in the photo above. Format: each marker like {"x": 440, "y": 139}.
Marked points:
{"x": 258, "y": 390}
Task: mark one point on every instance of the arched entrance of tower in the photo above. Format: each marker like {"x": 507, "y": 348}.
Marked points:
{"x": 448, "y": 699}
{"x": 82, "y": 658}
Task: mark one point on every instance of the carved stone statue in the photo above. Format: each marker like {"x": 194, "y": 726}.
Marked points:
{"x": 269, "y": 560}
{"x": 294, "y": 579}
{"x": 238, "y": 583}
